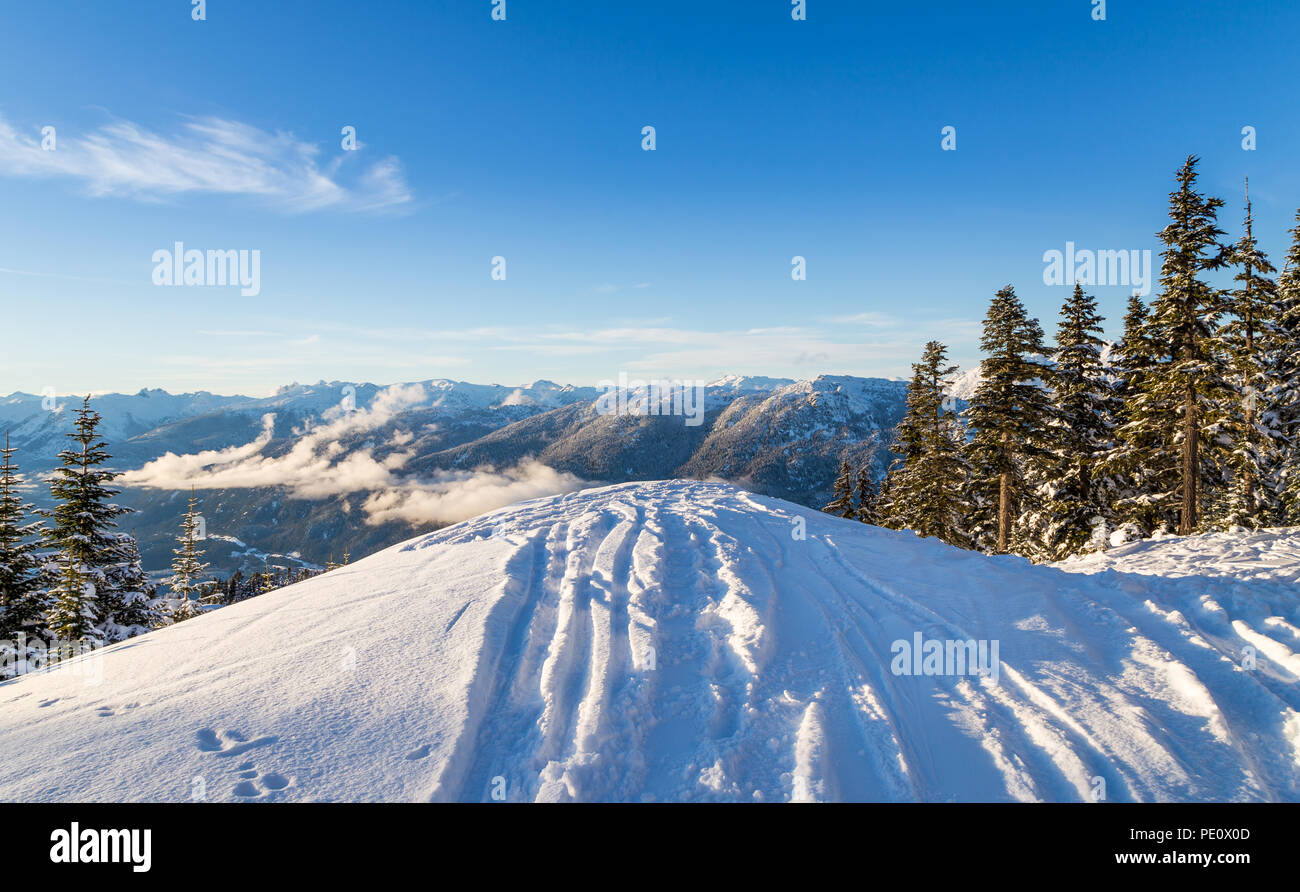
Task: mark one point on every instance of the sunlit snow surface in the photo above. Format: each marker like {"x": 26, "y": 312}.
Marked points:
{"x": 679, "y": 641}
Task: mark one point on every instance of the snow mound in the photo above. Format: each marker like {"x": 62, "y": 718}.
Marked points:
{"x": 690, "y": 641}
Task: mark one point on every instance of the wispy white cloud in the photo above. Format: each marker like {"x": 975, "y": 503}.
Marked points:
{"x": 257, "y": 360}
{"x": 208, "y": 155}
{"x": 871, "y": 320}
{"x": 877, "y": 347}
{"x": 40, "y": 275}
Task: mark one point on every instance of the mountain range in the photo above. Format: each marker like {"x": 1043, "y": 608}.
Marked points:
{"x": 313, "y": 471}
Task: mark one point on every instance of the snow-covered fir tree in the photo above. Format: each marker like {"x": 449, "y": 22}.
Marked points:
{"x": 1135, "y": 355}
{"x": 72, "y": 614}
{"x": 1074, "y": 510}
{"x": 1140, "y": 454}
{"x": 132, "y": 603}
{"x": 1248, "y": 341}
{"x": 926, "y": 487}
{"x": 187, "y": 566}
{"x": 1284, "y": 363}
{"x": 82, "y": 535}
{"x": 842, "y": 503}
{"x": 1182, "y": 402}
{"x": 1010, "y": 414}
{"x": 867, "y": 497}
{"x": 22, "y": 582}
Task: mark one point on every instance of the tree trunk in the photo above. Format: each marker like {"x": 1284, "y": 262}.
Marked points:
{"x": 1004, "y": 513}
{"x": 1004, "y": 503}
{"x": 1250, "y": 483}
{"x": 1191, "y": 469}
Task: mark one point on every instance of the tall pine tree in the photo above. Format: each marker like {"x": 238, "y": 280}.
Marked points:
{"x": 1190, "y": 387}
{"x": 842, "y": 503}
{"x": 83, "y": 539}
{"x": 22, "y": 582}
{"x": 1074, "y": 495}
{"x": 1248, "y": 339}
{"x": 1142, "y": 461}
{"x": 867, "y": 497}
{"x": 926, "y": 488}
{"x": 1284, "y": 482}
{"x": 1010, "y": 413}
{"x": 187, "y": 564}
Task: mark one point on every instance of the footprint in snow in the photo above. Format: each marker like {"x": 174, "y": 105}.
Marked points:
{"x": 230, "y": 743}
{"x": 252, "y": 783}
{"x": 271, "y": 782}
{"x": 274, "y": 781}
{"x": 419, "y": 753}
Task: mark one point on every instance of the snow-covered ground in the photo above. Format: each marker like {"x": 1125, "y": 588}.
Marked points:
{"x": 682, "y": 641}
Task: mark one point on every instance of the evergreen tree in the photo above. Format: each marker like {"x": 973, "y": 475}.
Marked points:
{"x": 1189, "y": 389}
{"x": 263, "y": 581}
{"x": 1074, "y": 495}
{"x": 885, "y": 504}
{"x": 867, "y": 497}
{"x": 1142, "y": 460}
{"x": 22, "y": 582}
{"x": 1132, "y": 358}
{"x": 72, "y": 614}
{"x": 1284, "y": 363}
{"x": 187, "y": 564}
{"x": 132, "y": 604}
{"x": 235, "y": 588}
{"x": 82, "y": 534}
{"x": 1010, "y": 413}
{"x": 1249, "y": 340}
{"x": 925, "y": 490}
{"x": 211, "y": 596}
{"x": 842, "y": 504}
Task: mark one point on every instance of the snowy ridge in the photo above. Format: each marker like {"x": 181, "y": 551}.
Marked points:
{"x": 675, "y": 641}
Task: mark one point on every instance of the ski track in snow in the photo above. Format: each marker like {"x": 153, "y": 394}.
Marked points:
{"x": 674, "y": 641}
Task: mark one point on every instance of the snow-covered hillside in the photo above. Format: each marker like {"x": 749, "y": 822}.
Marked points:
{"x": 679, "y": 641}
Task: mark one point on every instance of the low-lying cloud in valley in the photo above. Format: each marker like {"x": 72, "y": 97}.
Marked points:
{"x": 456, "y": 495}
{"x": 318, "y": 465}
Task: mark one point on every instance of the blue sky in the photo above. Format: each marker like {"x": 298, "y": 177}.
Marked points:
{"x": 522, "y": 138}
